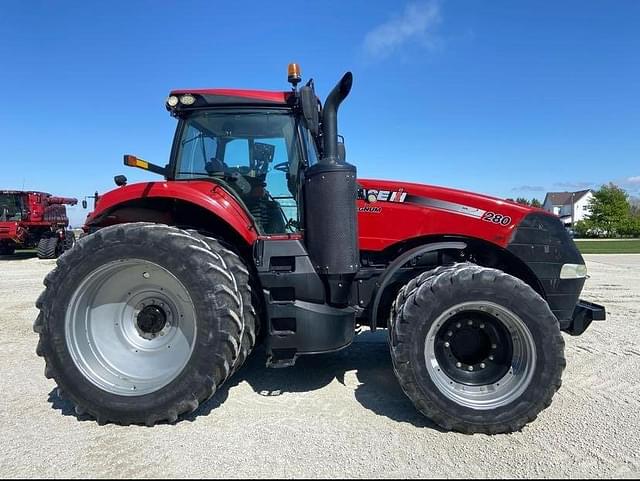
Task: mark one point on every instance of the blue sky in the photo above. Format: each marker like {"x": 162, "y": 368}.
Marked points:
{"x": 501, "y": 97}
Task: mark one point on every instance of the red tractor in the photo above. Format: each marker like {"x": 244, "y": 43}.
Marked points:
{"x": 260, "y": 230}
{"x": 34, "y": 219}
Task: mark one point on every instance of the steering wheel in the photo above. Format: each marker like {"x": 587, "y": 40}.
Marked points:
{"x": 282, "y": 167}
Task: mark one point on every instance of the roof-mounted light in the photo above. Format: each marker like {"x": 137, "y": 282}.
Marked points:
{"x": 293, "y": 74}
{"x": 172, "y": 101}
{"x": 187, "y": 99}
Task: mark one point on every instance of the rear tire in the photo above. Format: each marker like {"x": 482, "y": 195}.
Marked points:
{"x": 475, "y": 349}
{"x": 247, "y": 291}
{"x": 130, "y": 265}
{"x": 48, "y": 247}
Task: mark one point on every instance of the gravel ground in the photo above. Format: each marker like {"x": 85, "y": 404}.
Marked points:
{"x": 330, "y": 416}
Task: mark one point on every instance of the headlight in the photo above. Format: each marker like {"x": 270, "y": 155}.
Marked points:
{"x": 172, "y": 101}
{"x": 187, "y": 99}
{"x": 573, "y": 271}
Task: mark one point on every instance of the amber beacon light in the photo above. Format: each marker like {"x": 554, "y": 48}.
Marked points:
{"x": 293, "y": 74}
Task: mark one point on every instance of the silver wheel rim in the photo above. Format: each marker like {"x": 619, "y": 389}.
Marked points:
{"x": 498, "y": 392}
{"x": 130, "y": 327}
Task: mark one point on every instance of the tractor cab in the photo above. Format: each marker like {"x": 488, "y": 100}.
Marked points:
{"x": 12, "y": 206}
{"x": 259, "y": 145}
{"x": 258, "y": 153}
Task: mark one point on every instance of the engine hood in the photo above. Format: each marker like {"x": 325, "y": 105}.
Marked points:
{"x": 391, "y": 212}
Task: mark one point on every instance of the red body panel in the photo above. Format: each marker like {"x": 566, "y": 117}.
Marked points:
{"x": 205, "y": 194}
{"x": 416, "y": 210}
{"x": 18, "y": 231}
{"x": 403, "y": 219}
{"x": 11, "y": 231}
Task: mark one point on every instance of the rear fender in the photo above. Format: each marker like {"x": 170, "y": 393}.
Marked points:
{"x": 158, "y": 201}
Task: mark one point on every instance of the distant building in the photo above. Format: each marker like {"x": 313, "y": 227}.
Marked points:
{"x": 569, "y": 206}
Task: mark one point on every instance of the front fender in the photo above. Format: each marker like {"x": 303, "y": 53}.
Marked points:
{"x": 387, "y": 277}
{"x": 204, "y": 194}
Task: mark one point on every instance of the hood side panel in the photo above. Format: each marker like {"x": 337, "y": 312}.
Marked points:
{"x": 406, "y": 211}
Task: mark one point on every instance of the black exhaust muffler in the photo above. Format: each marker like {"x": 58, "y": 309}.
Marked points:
{"x": 330, "y": 191}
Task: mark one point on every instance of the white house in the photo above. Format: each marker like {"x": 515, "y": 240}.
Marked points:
{"x": 569, "y": 206}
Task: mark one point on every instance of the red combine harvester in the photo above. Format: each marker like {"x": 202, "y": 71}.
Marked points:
{"x": 260, "y": 230}
{"x": 34, "y": 219}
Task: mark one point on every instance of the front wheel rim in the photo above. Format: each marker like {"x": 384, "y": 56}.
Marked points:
{"x": 495, "y": 366}
{"x": 130, "y": 327}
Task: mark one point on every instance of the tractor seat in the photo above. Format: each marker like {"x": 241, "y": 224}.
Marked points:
{"x": 215, "y": 165}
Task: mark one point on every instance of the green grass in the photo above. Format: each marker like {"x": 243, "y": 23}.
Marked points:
{"x": 631, "y": 246}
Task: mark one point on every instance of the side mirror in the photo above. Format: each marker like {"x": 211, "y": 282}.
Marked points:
{"x": 310, "y": 108}
{"x": 120, "y": 180}
{"x": 342, "y": 151}
{"x": 84, "y": 204}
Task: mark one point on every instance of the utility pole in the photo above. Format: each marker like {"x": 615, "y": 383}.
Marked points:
{"x": 572, "y": 209}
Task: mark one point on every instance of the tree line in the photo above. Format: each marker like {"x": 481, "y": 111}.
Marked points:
{"x": 530, "y": 203}
{"x": 612, "y": 213}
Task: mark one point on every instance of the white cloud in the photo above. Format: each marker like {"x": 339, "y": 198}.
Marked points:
{"x": 574, "y": 185}
{"x": 415, "y": 25}
{"x": 630, "y": 184}
{"x": 528, "y": 188}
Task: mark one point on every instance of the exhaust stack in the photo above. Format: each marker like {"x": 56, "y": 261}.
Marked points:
{"x": 331, "y": 223}
{"x": 330, "y": 119}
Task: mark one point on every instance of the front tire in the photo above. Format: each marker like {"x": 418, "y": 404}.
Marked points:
{"x": 475, "y": 349}
{"x": 139, "y": 323}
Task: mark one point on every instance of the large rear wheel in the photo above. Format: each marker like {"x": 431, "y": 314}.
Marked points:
{"x": 140, "y": 323}
{"x": 247, "y": 290}
{"x": 476, "y": 350}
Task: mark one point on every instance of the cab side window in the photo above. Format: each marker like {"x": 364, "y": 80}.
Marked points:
{"x": 197, "y": 150}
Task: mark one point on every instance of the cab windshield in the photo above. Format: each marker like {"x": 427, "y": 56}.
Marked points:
{"x": 11, "y": 207}
{"x": 257, "y": 153}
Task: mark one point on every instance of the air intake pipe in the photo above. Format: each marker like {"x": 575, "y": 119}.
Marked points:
{"x": 331, "y": 223}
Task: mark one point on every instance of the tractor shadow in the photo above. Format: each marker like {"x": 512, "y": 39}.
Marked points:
{"x": 19, "y": 256}
{"x": 65, "y": 406}
{"x": 368, "y": 357}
